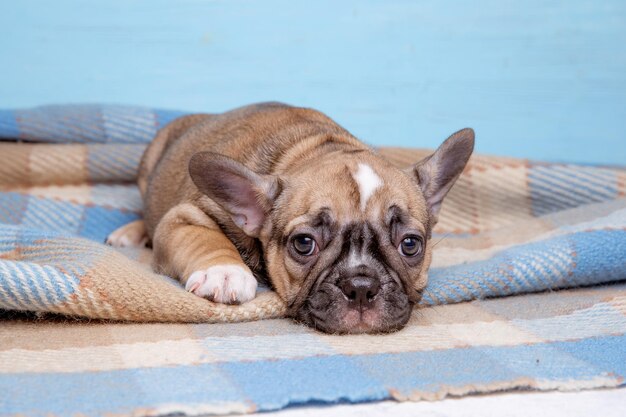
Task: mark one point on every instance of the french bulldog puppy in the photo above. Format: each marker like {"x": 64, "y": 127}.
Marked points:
{"x": 284, "y": 195}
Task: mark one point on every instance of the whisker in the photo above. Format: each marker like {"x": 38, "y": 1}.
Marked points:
{"x": 442, "y": 238}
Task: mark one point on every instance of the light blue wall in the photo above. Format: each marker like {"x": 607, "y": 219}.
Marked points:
{"x": 539, "y": 79}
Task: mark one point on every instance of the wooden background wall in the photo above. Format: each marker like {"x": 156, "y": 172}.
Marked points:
{"x": 539, "y": 79}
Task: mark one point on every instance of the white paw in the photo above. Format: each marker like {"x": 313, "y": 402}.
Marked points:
{"x": 132, "y": 234}
{"x": 227, "y": 284}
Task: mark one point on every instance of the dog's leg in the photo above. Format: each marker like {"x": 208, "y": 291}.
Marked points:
{"x": 190, "y": 246}
{"x": 131, "y": 234}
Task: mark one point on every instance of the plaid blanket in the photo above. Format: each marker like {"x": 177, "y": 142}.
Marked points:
{"x": 508, "y": 227}
{"x": 567, "y": 340}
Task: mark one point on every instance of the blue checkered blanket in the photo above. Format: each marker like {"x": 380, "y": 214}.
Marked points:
{"x": 508, "y": 227}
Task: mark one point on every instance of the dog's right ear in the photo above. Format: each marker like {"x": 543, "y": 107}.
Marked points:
{"x": 244, "y": 194}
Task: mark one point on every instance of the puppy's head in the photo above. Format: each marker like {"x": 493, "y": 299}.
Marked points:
{"x": 345, "y": 236}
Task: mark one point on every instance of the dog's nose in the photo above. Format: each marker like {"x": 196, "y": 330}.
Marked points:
{"x": 360, "y": 290}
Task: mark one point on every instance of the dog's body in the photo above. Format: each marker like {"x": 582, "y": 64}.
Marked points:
{"x": 286, "y": 195}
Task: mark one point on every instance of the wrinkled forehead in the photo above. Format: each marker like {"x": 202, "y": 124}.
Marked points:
{"x": 355, "y": 190}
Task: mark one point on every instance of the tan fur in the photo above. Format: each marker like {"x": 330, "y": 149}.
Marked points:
{"x": 187, "y": 240}
{"x": 131, "y": 234}
{"x": 164, "y": 138}
{"x": 170, "y": 196}
{"x": 340, "y": 190}
{"x": 315, "y": 161}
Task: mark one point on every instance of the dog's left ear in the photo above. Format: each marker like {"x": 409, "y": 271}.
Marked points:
{"x": 244, "y": 194}
{"x": 437, "y": 173}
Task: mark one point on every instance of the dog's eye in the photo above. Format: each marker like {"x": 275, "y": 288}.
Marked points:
{"x": 304, "y": 245}
{"x": 410, "y": 246}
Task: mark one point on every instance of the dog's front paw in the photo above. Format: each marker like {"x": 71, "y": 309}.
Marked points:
{"x": 227, "y": 284}
{"x": 133, "y": 234}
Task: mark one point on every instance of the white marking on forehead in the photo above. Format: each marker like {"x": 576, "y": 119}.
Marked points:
{"x": 368, "y": 183}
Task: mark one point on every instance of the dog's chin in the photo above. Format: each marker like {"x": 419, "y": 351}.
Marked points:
{"x": 340, "y": 317}
{"x": 355, "y": 322}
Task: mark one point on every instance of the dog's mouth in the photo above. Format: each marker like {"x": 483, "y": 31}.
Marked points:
{"x": 356, "y": 305}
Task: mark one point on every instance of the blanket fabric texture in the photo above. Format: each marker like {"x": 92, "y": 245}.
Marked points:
{"x": 508, "y": 227}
